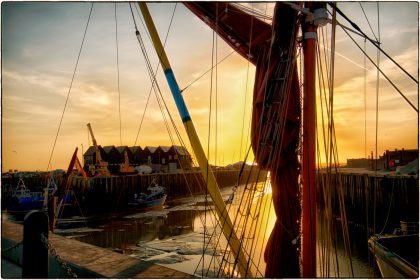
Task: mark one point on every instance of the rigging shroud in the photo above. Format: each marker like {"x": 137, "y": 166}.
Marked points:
{"x": 275, "y": 114}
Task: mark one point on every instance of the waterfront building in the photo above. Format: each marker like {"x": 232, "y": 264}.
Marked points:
{"x": 90, "y": 155}
{"x": 148, "y": 152}
{"x": 137, "y": 155}
{"x": 121, "y": 150}
{"x": 181, "y": 157}
{"x": 399, "y": 157}
{"x": 168, "y": 159}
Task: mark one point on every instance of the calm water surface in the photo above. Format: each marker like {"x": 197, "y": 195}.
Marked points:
{"x": 175, "y": 236}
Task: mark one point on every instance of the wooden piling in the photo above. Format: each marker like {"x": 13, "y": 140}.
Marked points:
{"x": 374, "y": 202}
{"x": 113, "y": 192}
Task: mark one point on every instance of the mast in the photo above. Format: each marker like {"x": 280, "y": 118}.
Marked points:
{"x": 213, "y": 189}
{"x": 309, "y": 31}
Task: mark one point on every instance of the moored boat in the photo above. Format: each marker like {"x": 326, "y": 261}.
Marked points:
{"x": 155, "y": 197}
{"x": 397, "y": 255}
{"x": 23, "y": 200}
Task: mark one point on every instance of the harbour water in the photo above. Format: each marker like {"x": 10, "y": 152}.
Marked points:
{"x": 177, "y": 236}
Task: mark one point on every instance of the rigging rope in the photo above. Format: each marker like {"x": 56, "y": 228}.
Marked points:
{"x": 367, "y": 20}
{"x": 157, "y": 66}
{"x": 118, "y": 70}
{"x": 331, "y": 156}
{"x": 162, "y": 103}
{"x": 376, "y": 120}
{"x": 253, "y": 11}
{"x": 70, "y": 87}
{"x": 383, "y": 74}
{"x": 375, "y": 43}
{"x": 246, "y": 87}
{"x": 243, "y": 237}
{"x": 206, "y": 72}
{"x": 364, "y": 94}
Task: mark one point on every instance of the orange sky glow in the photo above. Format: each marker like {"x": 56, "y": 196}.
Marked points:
{"x": 40, "y": 44}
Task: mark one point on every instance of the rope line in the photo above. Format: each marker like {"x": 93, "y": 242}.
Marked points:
{"x": 206, "y": 72}
{"x": 70, "y": 87}
{"x": 383, "y": 74}
{"x": 163, "y": 105}
{"x": 368, "y": 22}
{"x": 376, "y": 121}
{"x": 118, "y": 71}
{"x": 157, "y": 66}
{"x": 375, "y": 43}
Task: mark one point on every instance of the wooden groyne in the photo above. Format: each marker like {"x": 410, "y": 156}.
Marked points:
{"x": 374, "y": 202}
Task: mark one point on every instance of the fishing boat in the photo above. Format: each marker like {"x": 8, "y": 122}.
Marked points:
{"x": 283, "y": 49}
{"x": 23, "y": 200}
{"x": 155, "y": 197}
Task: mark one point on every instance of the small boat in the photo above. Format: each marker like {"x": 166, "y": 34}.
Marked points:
{"x": 155, "y": 197}
{"x": 397, "y": 255}
{"x": 23, "y": 200}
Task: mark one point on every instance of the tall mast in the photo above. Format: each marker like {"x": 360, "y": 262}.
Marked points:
{"x": 213, "y": 189}
{"x": 318, "y": 13}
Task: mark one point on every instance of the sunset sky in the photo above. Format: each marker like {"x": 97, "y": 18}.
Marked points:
{"x": 40, "y": 45}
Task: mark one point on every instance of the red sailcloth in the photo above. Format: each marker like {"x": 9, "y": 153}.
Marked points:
{"x": 275, "y": 115}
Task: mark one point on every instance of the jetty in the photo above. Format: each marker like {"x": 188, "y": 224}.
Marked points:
{"x": 69, "y": 258}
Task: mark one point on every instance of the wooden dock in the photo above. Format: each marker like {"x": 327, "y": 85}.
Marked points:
{"x": 375, "y": 202}
{"x": 86, "y": 260}
{"x": 111, "y": 193}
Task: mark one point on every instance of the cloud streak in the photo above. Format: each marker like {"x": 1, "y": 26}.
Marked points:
{"x": 38, "y": 66}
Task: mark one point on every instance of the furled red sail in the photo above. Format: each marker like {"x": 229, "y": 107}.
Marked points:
{"x": 275, "y": 117}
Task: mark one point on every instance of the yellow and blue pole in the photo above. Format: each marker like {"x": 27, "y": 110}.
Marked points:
{"x": 212, "y": 186}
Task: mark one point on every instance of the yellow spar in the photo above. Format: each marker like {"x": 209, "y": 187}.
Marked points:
{"x": 213, "y": 189}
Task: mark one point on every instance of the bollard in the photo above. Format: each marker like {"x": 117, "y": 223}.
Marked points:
{"x": 35, "y": 251}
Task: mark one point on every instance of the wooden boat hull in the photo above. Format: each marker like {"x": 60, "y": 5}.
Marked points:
{"x": 396, "y": 255}
{"x": 144, "y": 204}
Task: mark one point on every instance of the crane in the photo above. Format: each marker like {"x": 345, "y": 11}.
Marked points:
{"x": 101, "y": 165}
{"x": 55, "y": 205}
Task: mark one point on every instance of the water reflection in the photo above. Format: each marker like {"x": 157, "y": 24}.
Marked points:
{"x": 184, "y": 236}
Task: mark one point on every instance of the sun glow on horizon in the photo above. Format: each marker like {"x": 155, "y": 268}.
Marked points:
{"x": 38, "y": 59}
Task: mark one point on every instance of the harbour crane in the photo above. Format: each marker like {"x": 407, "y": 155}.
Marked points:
{"x": 101, "y": 166}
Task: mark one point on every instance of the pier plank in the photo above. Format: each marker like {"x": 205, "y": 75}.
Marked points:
{"x": 104, "y": 262}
